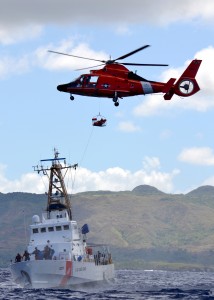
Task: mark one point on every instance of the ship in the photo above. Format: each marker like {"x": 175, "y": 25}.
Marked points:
{"x": 58, "y": 254}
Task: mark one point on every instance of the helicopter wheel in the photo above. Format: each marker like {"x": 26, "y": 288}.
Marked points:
{"x": 115, "y": 100}
{"x": 71, "y": 97}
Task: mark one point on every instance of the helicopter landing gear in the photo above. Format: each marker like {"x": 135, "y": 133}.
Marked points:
{"x": 115, "y": 99}
{"x": 71, "y": 97}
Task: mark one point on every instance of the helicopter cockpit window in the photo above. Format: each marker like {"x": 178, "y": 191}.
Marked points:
{"x": 81, "y": 79}
{"x": 94, "y": 79}
{"x": 86, "y": 81}
{"x": 78, "y": 82}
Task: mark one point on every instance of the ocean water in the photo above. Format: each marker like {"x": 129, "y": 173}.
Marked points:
{"x": 128, "y": 284}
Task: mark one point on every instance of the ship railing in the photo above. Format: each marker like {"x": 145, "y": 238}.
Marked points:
{"x": 99, "y": 254}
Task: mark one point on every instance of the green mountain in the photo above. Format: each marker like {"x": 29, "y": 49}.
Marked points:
{"x": 205, "y": 191}
{"x": 146, "y": 190}
{"x": 145, "y": 227}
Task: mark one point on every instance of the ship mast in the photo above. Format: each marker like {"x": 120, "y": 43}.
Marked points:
{"x": 58, "y": 198}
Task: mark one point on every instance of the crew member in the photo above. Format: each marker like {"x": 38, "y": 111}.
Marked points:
{"x": 18, "y": 258}
{"x": 36, "y": 252}
{"x": 26, "y": 255}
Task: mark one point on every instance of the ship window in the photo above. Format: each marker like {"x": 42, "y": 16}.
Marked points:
{"x": 66, "y": 227}
{"x": 35, "y": 230}
{"x": 58, "y": 228}
{"x": 50, "y": 229}
{"x": 43, "y": 229}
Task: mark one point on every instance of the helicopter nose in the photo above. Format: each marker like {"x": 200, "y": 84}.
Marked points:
{"x": 62, "y": 87}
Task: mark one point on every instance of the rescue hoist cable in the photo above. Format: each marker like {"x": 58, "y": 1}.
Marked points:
{"x": 86, "y": 147}
{"x": 83, "y": 156}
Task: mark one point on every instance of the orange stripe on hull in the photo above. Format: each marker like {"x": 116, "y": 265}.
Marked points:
{"x": 68, "y": 273}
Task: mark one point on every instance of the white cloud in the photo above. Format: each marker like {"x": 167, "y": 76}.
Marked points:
{"x": 118, "y": 179}
{"x": 136, "y": 11}
{"x": 202, "y": 101}
{"x": 152, "y": 105}
{"x": 29, "y": 182}
{"x": 199, "y": 156}
{"x": 112, "y": 179}
{"x": 17, "y": 16}
{"x": 42, "y": 58}
{"x": 53, "y": 61}
{"x": 11, "y": 65}
{"x": 13, "y": 35}
{"x": 128, "y": 126}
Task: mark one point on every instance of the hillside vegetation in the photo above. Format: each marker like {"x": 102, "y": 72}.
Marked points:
{"x": 144, "y": 227}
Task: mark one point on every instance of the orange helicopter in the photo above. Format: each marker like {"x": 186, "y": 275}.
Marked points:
{"x": 115, "y": 81}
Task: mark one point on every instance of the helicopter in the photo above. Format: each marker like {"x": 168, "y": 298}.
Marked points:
{"x": 116, "y": 81}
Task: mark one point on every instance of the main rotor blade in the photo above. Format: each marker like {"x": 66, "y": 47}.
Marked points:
{"x": 147, "y": 65}
{"x": 132, "y": 52}
{"x": 103, "y": 61}
{"x": 89, "y": 67}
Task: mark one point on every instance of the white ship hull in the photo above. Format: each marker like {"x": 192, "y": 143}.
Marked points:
{"x": 56, "y": 273}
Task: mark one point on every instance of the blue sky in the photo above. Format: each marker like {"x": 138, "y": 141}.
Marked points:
{"x": 167, "y": 144}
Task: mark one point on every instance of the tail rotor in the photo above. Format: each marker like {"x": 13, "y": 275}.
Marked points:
{"x": 186, "y": 85}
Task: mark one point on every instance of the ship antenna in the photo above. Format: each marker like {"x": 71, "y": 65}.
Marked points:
{"x": 58, "y": 198}
{"x": 56, "y": 153}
